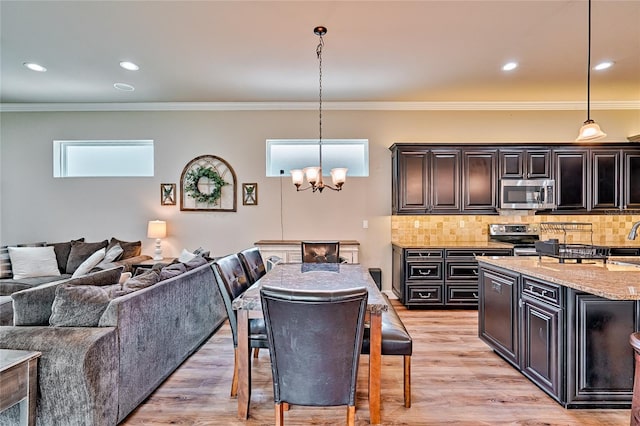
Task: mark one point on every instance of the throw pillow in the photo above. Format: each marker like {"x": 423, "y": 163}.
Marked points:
{"x": 80, "y": 251}
{"x": 86, "y": 266}
{"x": 130, "y": 249}
{"x": 112, "y": 254}
{"x": 33, "y": 306}
{"x": 124, "y": 277}
{"x": 80, "y": 305}
{"x": 5, "y": 263}
{"x": 172, "y": 270}
{"x": 195, "y": 262}
{"x": 27, "y": 262}
{"x": 186, "y": 256}
{"x": 62, "y": 253}
{"x": 141, "y": 281}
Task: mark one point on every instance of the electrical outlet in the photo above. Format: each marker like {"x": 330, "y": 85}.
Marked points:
{"x": 365, "y": 224}
{"x": 462, "y": 224}
{"x": 416, "y": 224}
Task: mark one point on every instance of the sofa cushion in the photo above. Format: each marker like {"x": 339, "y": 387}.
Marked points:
{"x": 195, "y": 262}
{"x": 8, "y": 286}
{"x": 146, "y": 279}
{"x": 5, "y": 259}
{"x": 130, "y": 248}
{"x": 62, "y": 253}
{"x": 86, "y": 266}
{"x": 81, "y": 305}
{"x": 27, "y": 262}
{"x": 172, "y": 270}
{"x": 80, "y": 251}
{"x": 33, "y": 306}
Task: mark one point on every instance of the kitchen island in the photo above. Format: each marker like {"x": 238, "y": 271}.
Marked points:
{"x": 564, "y": 326}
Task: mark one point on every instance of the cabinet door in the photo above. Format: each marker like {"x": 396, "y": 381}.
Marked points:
{"x": 479, "y": 181}
{"x": 605, "y": 179}
{"x": 511, "y": 164}
{"x": 498, "y": 312}
{"x": 445, "y": 180}
{"x": 397, "y": 274}
{"x": 631, "y": 179}
{"x": 537, "y": 164}
{"x": 541, "y": 354}
{"x": 571, "y": 179}
{"x": 525, "y": 164}
{"x": 413, "y": 173}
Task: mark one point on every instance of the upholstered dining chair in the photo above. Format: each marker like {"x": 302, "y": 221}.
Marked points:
{"x": 253, "y": 264}
{"x": 232, "y": 282}
{"x": 320, "y": 251}
{"x": 306, "y": 369}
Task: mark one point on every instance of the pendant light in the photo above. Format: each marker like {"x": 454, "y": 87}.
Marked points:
{"x": 314, "y": 174}
{"x": 590, "y": 131}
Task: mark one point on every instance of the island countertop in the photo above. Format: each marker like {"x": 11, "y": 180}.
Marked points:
{"x": 455, "y": 245}
{"x": 612, "y": 280}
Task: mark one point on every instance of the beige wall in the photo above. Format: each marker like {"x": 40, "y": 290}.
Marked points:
{"x": 36, "y": 207}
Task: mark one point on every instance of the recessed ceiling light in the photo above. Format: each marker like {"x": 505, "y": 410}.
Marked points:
{"x": 124, "y": 87}
{"x": 603, "y": 65}
{"x": 34, "y": 67}
{"x": 129, "y": 66}
{"x": 509, "y": 66}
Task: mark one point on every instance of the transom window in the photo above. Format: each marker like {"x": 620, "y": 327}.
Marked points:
{"x": 287, "y": 154}
{"x": 102, "y": 158}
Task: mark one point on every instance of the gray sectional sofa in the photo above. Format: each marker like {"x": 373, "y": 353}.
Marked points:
{"x": 96, "y": 375}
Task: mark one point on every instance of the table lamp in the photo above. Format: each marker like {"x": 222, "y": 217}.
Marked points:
{"x": 157, "y": 229}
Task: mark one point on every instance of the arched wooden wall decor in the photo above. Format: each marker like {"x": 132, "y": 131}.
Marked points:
{"x": 208, "y": 183}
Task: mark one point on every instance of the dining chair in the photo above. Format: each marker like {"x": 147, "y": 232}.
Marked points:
{"x": 232, "y": 282}
{"x": 315, "y": 338}
{"x": 320, "y": 251}
{"x": 395, "y": 341}
{"x": 253, "y": 264}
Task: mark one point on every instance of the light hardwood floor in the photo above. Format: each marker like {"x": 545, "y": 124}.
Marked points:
{"x": 456, "y": 380}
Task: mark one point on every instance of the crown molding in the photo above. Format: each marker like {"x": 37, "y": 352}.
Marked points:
{"x": 337, "y": 106}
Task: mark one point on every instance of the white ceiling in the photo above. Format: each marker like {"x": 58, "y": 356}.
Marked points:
{"x": 264, "y": 51}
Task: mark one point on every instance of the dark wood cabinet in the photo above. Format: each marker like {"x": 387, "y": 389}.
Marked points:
{"x": 525, "y": 164}
{"x": 479, "y": 182}
{"x": 605, "y": 181}
{"x": 570, "y": 173}
{"x": 498, "y": 320}
{"x": 445, "y": 181}
{"x": 573, "y": 345}
{"x": 541, "y": 331}
{"x": 631, "y": 179}
{"x": 411, "y": 188}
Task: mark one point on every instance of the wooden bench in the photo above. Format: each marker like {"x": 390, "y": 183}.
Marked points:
{"x": 395, "y": 341}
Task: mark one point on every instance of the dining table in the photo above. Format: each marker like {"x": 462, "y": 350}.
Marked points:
{"x": 316, "y": 277}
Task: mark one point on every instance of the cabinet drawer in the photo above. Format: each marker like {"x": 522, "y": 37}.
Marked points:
{"x": 424, "y": 294}
{"x": 417, "y": 254}
{"x": 424, "y": 271}
{"x": 462, "y": 294}
{"x": 472, "y": 253}
{"x": 462, "y": 270}
{"x": 542, "y": 290}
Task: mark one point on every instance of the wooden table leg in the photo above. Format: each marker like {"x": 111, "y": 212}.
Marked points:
{"x": 375, "y": 367}
{"x": 244, "y": 366}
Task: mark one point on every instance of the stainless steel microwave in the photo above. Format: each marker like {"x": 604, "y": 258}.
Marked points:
{"x": 527, "y": 194}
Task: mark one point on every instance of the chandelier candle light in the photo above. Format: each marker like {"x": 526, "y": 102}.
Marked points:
{"x": 157, "y": 229}
{"x": 314, "y": 174}
{"x": 590, "y": 131}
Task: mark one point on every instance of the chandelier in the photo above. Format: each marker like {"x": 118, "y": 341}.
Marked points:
{"x": 590, "y": 131}
{"x": 314, "y": 174}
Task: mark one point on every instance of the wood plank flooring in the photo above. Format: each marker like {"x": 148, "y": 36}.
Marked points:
{"x": 456, "y": 380}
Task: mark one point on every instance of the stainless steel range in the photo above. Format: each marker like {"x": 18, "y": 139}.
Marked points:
{"x": 522, "y": 236}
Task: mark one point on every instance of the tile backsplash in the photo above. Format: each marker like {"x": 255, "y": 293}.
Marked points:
{"x": 433, "y": 229}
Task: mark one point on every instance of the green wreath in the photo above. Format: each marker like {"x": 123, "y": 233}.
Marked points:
{"x": 192, "y": 178}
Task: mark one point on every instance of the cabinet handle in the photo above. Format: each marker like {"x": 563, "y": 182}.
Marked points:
{"x": 474, "y": 271}
{"x": 423, "y": 273}
{"x": 421, "y": 296}
{"x": 475, "y": 295}
{"x": 497, "y": 287}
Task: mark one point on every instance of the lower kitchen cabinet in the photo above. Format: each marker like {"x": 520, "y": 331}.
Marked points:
{"x": 573, "y": 345}
{"x": 438, "y": 277}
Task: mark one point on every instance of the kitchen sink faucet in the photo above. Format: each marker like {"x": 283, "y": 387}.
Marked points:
{"x": 634, "y": 231}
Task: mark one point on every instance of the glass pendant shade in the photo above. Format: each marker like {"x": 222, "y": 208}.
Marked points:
{"x": 339, "y": 176}
{"x": 297, "y": 176}
{"x": 590, "y": 131}
{"x": 312, "y": 174}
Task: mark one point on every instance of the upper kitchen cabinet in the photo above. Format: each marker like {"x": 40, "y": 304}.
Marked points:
{"x": 570, "y": 173}
{"x": 479, "y": 180}
{"x": 615, "y": 174}
{"x": 525, "y": 163}
{"x": 425, "y": 180}
{"x": 631, "y": 189}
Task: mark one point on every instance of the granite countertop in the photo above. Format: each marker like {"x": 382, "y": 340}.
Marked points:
{"x": 614, "y": 280}
{"x": 456, "y": 244}
{"x": 290, "y": 242}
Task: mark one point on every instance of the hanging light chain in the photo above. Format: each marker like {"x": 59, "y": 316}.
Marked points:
{"x": 319, "y": 54}
{"x": 589, "y": 68}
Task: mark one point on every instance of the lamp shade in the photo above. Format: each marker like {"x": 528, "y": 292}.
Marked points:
{"x": 590, "y": 131}
{"x": 157, "y": 229}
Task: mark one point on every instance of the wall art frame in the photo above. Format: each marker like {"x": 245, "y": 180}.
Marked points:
{"x": 250, "y": 194}
{"x": 208, "y": 183}
{"x": 167, "y": 194}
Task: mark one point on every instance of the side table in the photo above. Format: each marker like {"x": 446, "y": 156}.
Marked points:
{"x": 19, "y": 382}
